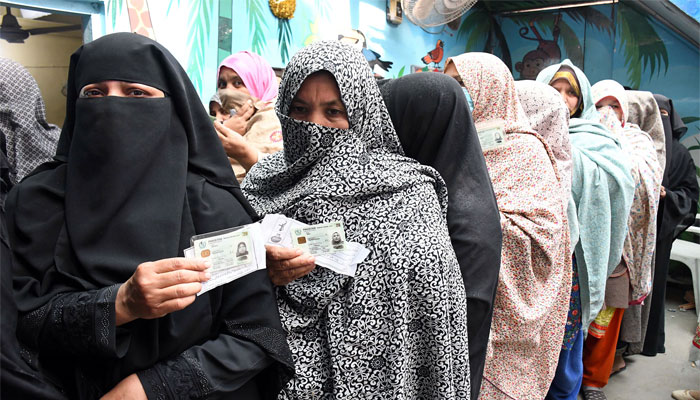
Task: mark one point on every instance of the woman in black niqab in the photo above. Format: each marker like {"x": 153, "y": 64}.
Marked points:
{"x": 133, "y": 179}
{"x": 432, "y": 119}
{"x": 676, "y": 212}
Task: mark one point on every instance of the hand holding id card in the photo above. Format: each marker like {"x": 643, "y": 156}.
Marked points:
{"x": 326, "y": 242}
{"x": 233, "y": 252}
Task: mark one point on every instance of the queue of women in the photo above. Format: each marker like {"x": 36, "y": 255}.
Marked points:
{"x": 518, "y": 261}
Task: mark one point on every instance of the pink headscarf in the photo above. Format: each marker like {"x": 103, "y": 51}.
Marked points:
{"x": 257, "y": 74}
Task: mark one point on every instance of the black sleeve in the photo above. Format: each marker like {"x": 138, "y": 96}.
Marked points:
{"x": 248, "y": 355}
{"x": 79, "y": 323}
{"x": 681, "y": 201}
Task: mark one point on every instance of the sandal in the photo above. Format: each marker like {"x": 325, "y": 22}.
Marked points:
{"x": 618, "y": 370}
{"x": 686, "y": 394}
{"x": 594, "y": 394}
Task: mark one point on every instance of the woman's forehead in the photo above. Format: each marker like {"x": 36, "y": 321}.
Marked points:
{"x": 560, "y": 82}
{"x": 228, "y": 73}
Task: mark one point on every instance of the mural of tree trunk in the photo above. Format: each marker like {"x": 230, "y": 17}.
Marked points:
{"x": 140, "y": 18}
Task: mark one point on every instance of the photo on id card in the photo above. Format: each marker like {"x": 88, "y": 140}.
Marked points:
{"x": 225, "y": 248}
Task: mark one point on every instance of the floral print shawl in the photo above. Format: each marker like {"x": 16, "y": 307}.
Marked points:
{"x": 532, "y": 299}
{"x": 549, "y": 117}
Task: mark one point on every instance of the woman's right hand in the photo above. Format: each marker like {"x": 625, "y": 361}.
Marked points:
{"x": 239, "y": 121}
{"x": 160, "y": 287}
{"x": 285, "y": 265}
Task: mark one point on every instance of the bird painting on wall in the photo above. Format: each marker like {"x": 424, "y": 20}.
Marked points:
{"x": 373, "y": 58}
{"x": 435, "y": 55}
{"x": 356, "y": 38}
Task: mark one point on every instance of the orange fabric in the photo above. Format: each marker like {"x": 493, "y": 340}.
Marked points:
{"x": 599, "y": 354}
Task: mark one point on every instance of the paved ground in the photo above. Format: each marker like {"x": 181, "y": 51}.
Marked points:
{"x": 652, "y": 378}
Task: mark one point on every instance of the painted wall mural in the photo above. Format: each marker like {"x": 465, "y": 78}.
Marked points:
{"x": 607, "y": 41}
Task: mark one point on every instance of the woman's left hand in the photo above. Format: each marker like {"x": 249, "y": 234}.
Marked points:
{"x": 286, "y": 265}
{"x": 236, "y": 147}
{"x": 129, "y": 388}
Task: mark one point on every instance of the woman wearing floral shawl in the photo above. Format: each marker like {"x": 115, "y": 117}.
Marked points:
{"x": 397, "y": 329}
{"x": 549, "y": 116}
{"x": 602, "y": 190}
{"x": 535, "y": 278}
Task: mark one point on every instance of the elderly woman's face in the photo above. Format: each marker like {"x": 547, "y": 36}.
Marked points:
{"x": 229, "y": 79}
{"x": 120, "y": 89}
{"x": 318, "y": 101}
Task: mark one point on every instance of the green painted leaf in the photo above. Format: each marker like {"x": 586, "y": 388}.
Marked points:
{"x": 257, "y": 24}
{"x": 401, "y": 71}
{"x": 641, "y": 45}
{"x": 474, "y": 28}
{"x": 199, "y": 30}
{"x": 572, "y": 46}
{"x": 501, "y": 43}
{"x": 690, "y": 120}
{"x": 114, "y": 8}
{"x": 284, "y": 37}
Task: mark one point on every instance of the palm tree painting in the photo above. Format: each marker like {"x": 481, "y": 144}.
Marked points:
{"x": 640, "y": 44}
{"x": 257, "y": 24}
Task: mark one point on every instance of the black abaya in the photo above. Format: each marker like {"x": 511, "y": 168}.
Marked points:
{"x": 133, "y": 180}
{"x": 676, "y": 212}
{"x": 18, "y": 379}
{"x": 433, "y": 122}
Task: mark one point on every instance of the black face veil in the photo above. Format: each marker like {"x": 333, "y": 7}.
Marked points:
{"x": 128, "y": 158}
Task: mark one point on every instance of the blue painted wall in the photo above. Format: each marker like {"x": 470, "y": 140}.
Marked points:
{"x": 200, "y": 32}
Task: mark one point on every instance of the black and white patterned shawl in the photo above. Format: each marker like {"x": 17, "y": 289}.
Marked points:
{"x": 29, "y": 139}
{"x": 398, "y": 328}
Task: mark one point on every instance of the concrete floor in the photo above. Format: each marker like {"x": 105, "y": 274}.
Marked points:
{"x": 652, "y": 378}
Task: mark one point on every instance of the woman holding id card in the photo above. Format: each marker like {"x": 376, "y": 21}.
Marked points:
{"x": 106, "y": 302}
{"x": 397, "y": 329}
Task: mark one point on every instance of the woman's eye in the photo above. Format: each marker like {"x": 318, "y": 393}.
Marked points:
{"x": 222, "y": 84}
{"x": 335, "y": 112}
{"x": 572, "y": 93}
{"x": 137, "y": 93}
{"x": 238, "y": 83}
{"x": 92, "y": 93}
{"x": 298, "y": 109}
